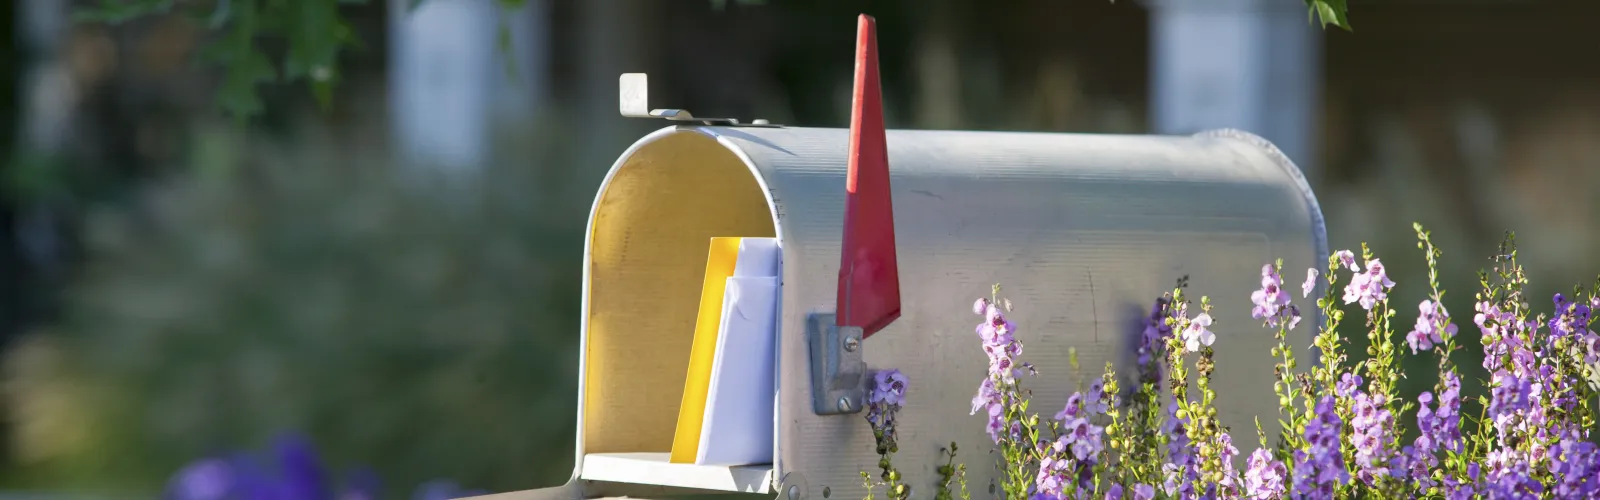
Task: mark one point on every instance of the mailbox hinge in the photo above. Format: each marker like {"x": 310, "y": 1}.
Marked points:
{"x": 838, "y": 372}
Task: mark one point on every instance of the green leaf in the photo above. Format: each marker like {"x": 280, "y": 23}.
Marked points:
{"x": 1330, "y": 12}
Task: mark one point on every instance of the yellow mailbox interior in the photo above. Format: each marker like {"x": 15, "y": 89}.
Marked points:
{"x": 648, "y": 246}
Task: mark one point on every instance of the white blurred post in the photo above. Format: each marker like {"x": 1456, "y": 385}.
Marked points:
{"x": 1247, "y": 64}
{"x": 442, "y": 81}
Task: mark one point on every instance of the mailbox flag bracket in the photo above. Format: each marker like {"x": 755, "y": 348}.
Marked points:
{"x": 838, "y": 373}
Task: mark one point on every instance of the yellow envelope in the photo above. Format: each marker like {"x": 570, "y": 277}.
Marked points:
{"x": 720, "y": 263}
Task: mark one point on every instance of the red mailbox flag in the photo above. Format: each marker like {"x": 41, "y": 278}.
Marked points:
{"x": 869, "y": 278}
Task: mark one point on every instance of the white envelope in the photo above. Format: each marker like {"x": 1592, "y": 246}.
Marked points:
{"x": 738, "y": 425}
{"x": 758, "y": 257}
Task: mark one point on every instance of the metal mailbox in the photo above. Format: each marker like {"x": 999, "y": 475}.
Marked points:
{"x": 1083, "y": 231}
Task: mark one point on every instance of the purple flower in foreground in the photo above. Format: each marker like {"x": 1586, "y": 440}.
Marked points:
{"x": 1368, "y": 287}
{"x": 1348, "y": 384}
{"x": 986, "y": 397}
{"x": 1114, "y": 492}
{"x": 1371, "y": 424}
{"x": 1143, "y": 491}
{"x": 1264, "y": 476}
{"x": 1320, "y": 467}
{"x": 1575, "y": 463}
{"x": 889, "y": 388}
{"x": 1271, "y": 301}
{"x": 1347, "y": 259}
{"x": 1431, "y": 327}
{"x": 209, "y": 479}
{"x": 1197, "y": 333}
{"x": 997, "y": 422}
{"x": 1152, "y": 341}
{"x": 1311, "y": 282}
{"x": 1572, "y": 318}
{"x": 1440, "y": 427}
{"x": 292, "y": 472}
{"x": 884, "y": 399}
{"x": 300, "y": 467}
{"x": 1082, "y": 438}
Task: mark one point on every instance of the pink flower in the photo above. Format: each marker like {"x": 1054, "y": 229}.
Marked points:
{"x": 1198, "y": 334}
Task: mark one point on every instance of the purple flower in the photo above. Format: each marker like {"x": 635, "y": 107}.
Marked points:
{"x": 1271, "y": 301}
{"x": 1197, "y": 334}
{"x": 302, "y": 471}
{"x": 1431, "y": 327}
{"x": 1440, "y": 427}
{"x": 1152, "y": 341}
{"x": 889, "y": 388}
{"x": 1348, "y": 259}
{"x": 209, "y": 479}
{"x": 1182, "y": 468}
{"x": 1264, "y": 476}
{"x": 1143, "y": 491}
{"x": 995, "y": 329}
{"x": 987, "y": 396}
{"x": 1311, "y": 282}
{"x": 1052, "y": 480}
{"x": 997, "y": 422}
{"x": 1575, "y": 463}
{"x": 1372, "y": 425}
{"x": 1095, "y": 402}
{"x": 1509, "y": 394}
{"x": 1369, "y": 287}
{"x": 1348, "y": 384}
{"x": 1114, "y": 492}
{"x": 1320, "y": 466}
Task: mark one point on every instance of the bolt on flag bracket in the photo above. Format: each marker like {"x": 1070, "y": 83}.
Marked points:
{"x": 633, "y": 101}
{"x": 869, "y": 280}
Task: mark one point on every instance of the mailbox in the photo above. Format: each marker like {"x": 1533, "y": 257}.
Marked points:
{"x": 1083, "y": 231}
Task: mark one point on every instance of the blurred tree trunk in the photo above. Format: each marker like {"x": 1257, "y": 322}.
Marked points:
{"x": 1247, "y": 64}
{"x": 441, "y": 81}
{"x": 47, "y": 97}
{"x": 938, "y": 69}
{"x": 610, "y": 35}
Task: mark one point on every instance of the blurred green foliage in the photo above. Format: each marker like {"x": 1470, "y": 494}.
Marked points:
{"x": 315, "y": 34}
{"x": 421, "y": 323}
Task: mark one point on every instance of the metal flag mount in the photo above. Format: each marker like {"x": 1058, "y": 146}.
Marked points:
{"x": 869, "y": 275}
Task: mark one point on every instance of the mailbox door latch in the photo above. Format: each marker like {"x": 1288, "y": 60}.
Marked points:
{"x": 838, "y": 373}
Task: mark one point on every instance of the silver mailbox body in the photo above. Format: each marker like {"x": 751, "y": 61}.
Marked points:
{"x": 1082, "y": 231}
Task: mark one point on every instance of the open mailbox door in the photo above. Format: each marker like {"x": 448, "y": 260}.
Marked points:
{"x": 1083, "y": 229}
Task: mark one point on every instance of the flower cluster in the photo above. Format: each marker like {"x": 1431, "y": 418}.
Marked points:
{"x": 291, "y": 471}
{"x": 1340, "y": 431}
{"x": 1433, "y": 324}
{"x": 1319, "y": 468}
{"x": 1272, "y": 302}
{"x": 885, "y": 397}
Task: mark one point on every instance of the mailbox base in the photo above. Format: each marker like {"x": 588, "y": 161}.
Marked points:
{"x": 648, "y": 475}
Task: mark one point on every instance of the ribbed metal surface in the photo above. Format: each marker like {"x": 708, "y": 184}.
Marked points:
{"x": 1082, "y": 231}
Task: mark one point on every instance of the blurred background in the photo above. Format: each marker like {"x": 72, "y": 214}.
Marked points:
{"x": 224, "y": 220}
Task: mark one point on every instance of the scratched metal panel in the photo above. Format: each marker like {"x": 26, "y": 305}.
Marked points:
{"x": 1083, "y": 232}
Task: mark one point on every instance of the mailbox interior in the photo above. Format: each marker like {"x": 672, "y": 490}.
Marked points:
{"x": 649, "y": 232}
